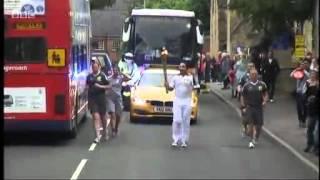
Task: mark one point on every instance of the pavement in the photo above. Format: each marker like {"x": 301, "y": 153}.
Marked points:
{"x": 280, "y": 122}
{"x": 142, "y": 150}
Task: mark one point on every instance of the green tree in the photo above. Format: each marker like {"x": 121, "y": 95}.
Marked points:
{"x": 100, "y": 4}
{"x": 168, "y": 4}
{"x": 202, "y": 10}
{"x": 273, "y": 16}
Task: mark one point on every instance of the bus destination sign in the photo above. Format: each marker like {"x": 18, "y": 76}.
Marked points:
{"x": 29, "y": 25}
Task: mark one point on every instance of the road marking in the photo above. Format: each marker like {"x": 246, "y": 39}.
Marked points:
{"x": 292, "y": 150}
{"x": 278, "y": 139}
{"x": 93, "y": 145}
{"x": 79, "y": 169}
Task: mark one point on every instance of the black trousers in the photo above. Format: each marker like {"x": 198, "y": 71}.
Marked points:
{"x": 271, "y": 85}
{"x": 301, "y": 107}
{"x": 312, "y": 121}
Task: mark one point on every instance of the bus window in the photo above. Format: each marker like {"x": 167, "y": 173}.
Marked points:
{"x": 25, "y": 49}
{"x": 84, "y": 58}
{"x": 78, "y": 58}
{"x": 74, "y": 59}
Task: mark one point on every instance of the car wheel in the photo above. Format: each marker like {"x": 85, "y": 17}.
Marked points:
{"x": 133, "y": 119}
{"x": 195, "y": 120}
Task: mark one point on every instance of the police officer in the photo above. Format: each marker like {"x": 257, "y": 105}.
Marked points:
{"x": 253, "y": 97}
{"x": 129, "y": 68}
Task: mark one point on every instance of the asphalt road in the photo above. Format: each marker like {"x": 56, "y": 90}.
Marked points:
{"x": 143, "y": 151}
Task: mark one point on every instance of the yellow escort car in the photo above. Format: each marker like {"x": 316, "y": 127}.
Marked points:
{"x": 150, "y": 100}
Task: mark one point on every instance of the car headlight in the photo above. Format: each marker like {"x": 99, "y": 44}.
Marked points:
{"x": 139, "y": 101}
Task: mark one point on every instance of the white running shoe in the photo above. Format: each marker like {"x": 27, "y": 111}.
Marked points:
{"x": 184, "y": 145}
{"x": 254, "y": 141}
{"x": 271, "y": 100}
{"x": 97, "y": 139}
{"x": 251, "y": 145}
{"x": 174, "y": 144}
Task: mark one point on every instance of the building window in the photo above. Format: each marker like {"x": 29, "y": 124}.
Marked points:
{"x": 98, "y": 44}
{"x": 115, "y": 45}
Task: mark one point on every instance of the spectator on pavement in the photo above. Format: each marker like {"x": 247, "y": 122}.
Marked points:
{"x": 308, "y": 57}
{"x": 311, "y": 90}
{"x": 183, "y": 85}
{"x": 207, "y": 68}
{"x": 270, "y": 70}
{"x": 96, "y": 85}
{"x": 232, "y": 81}
{"x": 245, "y": 78}
{"x": 201, "y": 67}
{"x": 241, "y": 69}
{"x": 114, "y": 98}
{"x": 301, "y": 75}
{"x": 225, "y": 67}
{"x": 213, "y": 71}
{"x": 314, "y": 66}
{"x": 253, "y": 97}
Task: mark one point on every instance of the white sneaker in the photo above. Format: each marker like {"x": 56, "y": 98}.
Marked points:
{"x": 251, "y": 145}
{"x": 184, "y": 145}
{"x": 271, "y": 100}
{"x": 97, "y": 139}
{"x": 174, "y": 144}
{"x": 254, "y": 141}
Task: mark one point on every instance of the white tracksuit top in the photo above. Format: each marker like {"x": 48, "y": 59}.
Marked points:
{"x": 183, "y": 86}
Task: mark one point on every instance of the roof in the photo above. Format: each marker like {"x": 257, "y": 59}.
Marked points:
{"x": 162, "y": 12}
{"x": 106, "y": 23}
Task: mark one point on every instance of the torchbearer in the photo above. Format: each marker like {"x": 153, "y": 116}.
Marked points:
{"x": 183, "y": 85}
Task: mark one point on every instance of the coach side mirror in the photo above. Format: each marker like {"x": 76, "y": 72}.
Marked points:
{"x": 126, "y": 30}
{"x": 199, "y": 32}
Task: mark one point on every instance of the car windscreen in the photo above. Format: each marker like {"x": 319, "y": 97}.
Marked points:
{"x": 153, "y": 79}
{"x": 25, "y": 49}
{"x": 152, "y": 33}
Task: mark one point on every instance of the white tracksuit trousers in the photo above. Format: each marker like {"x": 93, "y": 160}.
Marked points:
{"x": 181, "y": 122}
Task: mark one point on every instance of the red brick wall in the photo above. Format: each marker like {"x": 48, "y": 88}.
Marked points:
{"x": 113, "y": 53}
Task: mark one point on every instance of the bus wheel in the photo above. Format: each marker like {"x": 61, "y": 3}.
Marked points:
{"x": 74, "y": 131}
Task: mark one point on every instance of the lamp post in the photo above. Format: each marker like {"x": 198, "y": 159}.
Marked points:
{"x": 316, "y": 28}
{"x": 228, "y": 27}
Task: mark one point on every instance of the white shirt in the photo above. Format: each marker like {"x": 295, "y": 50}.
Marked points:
{"x": 183, "y": 86}
{"x": 270, "y": 60}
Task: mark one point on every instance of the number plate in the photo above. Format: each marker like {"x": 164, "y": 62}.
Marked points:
{"x": 163, "y": 109}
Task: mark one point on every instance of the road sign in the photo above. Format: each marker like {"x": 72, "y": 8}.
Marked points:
{"x": 56, "y": 57}
{"x": 299, "y": 46}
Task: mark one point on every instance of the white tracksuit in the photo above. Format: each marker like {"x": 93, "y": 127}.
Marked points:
{"x": 183, "y": 86}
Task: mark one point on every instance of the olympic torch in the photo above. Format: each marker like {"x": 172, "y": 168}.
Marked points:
{"x": 164, "y": 59}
